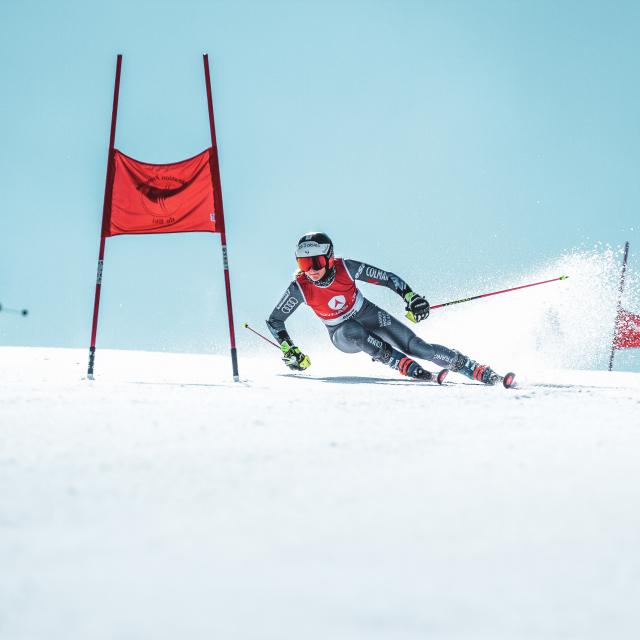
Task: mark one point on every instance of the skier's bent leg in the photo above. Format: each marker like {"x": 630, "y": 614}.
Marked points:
{"x": 451, "y": 359}
{"x": 352, "y": 337}
{"x": 442, "y": 356}
{"x": 401, "y": 336}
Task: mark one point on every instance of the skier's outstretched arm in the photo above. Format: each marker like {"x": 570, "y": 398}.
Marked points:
{"x": 289, "y": 302}
{"x": 416, "y": 305}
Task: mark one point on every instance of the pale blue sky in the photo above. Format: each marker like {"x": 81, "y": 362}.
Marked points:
{"x": 447, "y": 141}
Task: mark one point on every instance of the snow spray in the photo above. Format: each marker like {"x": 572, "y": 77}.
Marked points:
{"x": 546, "y": 327}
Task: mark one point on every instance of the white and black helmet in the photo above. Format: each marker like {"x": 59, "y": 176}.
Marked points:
{"x": 315, "y": 251}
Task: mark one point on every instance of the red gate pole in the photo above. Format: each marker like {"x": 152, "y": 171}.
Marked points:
{"x": 619, "y": 307}
{"x": 219, "y": 213}
{"x": 105, "y": 213}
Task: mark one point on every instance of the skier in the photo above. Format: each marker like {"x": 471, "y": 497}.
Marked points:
{"x": 328, "y": 285}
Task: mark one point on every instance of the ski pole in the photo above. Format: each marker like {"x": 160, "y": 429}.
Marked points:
{"x": 246, "y": 326}
{"x": 486, "y": 295}
{"x": 22, "y": 312}
{"x": 495, "y": 293}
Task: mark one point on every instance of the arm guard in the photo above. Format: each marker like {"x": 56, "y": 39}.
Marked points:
{"x": 368, "y": 273}
{"x": 289, "y": 302}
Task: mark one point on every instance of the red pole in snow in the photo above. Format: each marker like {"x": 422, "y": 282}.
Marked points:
{"x": 106, "y": 207}
{"x": 619, "y": 307}
{"x": 219, "y": 213}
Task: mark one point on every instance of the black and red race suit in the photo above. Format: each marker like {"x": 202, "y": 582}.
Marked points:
{"x": 353, "y": 322}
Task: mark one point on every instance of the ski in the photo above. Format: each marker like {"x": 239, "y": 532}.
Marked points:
{"x": 430, "y": 376}
{"x": 507, "y": 380}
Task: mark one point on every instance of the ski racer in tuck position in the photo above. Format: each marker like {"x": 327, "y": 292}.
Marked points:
{"x": 328, "y": 285}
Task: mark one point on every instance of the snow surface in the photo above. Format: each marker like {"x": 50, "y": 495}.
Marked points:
{"x": 162, "y": 500}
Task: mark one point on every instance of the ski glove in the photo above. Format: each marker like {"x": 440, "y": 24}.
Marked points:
{"x": 417, "y": 307}
{"x": 293, "y": 357}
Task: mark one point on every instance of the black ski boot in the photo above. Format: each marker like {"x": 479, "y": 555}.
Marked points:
{"x": 481, "y": 372}
{"x": 408, "y": 367}
{"x": 411, "y": 369}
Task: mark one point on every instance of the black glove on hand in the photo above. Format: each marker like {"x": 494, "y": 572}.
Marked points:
{"x": 417, "y": 307}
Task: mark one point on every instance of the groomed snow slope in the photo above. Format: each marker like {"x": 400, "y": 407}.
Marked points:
{"x": 164, "y": 501}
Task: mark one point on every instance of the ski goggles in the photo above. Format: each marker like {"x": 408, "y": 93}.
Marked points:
{"x": 315, "y": 262}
